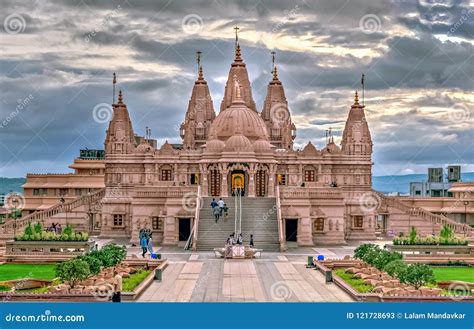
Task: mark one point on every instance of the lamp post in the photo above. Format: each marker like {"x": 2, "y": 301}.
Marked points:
{"x": 15, "y": 205}
{"x": 465, "y": 211}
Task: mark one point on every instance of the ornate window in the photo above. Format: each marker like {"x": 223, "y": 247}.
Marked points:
{"x": 166, "y": 174}
{"x": 318, "y": 225}
{"x": 358, "y": 221}
{"x": 157, "y": 224}
{"x": 281, "y": 179}
{"x": 309, "y": 175}
{"x": 118, "y": 219}
{"x": 260, "y": 182}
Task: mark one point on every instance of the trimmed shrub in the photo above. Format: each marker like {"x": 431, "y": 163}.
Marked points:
{"x": 418, "y": 275}
{"x": 73, "y": 270}
{"x": 385, "y": 257}
{"x": 361, "y": 251}
{"x": 94, "y": 263}
{"x": 396, "y": 268}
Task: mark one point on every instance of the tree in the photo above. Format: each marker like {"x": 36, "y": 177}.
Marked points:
{"x": 413, "y": 235}
{"x": 418, "y": 275}
{"x": 396, "y": 268}
{"x": 73, "y": 270}
{"x": 94, "y": 263}
{"x": 384, "y": 257}
{"x": 361, "y": 251}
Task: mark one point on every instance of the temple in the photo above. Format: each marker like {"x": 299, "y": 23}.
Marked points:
{"x": 303, "y": 197}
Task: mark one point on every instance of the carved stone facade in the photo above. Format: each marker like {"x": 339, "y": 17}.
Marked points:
{"x": 320, "y": 189}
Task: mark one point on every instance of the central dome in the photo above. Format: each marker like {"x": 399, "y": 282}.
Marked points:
{"x": 238, "y": 119}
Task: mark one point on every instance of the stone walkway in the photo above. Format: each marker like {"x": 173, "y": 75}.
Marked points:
{"x": 276, "y": 277}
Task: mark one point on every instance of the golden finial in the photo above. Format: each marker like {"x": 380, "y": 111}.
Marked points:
{"x": 237, "y": 53}
{"x": 236, "y": 35}
{"x": 120, "y": 98}
{"x": 356, "y": 98}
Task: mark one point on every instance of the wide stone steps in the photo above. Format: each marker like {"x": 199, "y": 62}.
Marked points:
{"x": 258, "y": 218}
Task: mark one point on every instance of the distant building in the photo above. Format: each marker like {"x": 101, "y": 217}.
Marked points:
{"x": 436, "y": 186}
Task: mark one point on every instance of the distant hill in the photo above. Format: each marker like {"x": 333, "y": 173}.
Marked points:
{"x": 11, "y": 184}
{"x": 401, "y": 183}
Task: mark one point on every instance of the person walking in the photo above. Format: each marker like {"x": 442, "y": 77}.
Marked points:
{"x": 118, "y": 286}
{"x": 240, "y": 241}
{"x": 251, "y": 241}
{"x": 213, "y": 204}
{"x": 150, "y": 245}
{"x": 226, "y": 211}
{"x": 216, "y": 212}
{"x": 221, "y": 205}
{"x": 144, "y": 245}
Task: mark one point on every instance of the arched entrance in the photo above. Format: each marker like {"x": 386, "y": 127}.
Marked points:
{"x": 238, "y": 180}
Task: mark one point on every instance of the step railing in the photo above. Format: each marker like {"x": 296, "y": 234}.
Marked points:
{"x": 441, "y": 220}
{"x": 238, "y": 212}
{"x": 193, "y": 237}
{"x": 42, "y": 215}
{"x": 279, "y": 219}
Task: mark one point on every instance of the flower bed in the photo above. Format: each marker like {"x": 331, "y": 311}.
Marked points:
{"x": 37, "y": 233}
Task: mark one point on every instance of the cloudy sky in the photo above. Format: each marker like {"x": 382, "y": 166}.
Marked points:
{"x": 57, "y": 60}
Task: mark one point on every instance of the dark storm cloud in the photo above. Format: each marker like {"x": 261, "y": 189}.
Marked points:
{"x": 56, "y": 61}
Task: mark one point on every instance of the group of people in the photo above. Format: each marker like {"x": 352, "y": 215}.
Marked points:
{"x": 55, "y": 228}
{"x": 219, "y": 209}
{"x": 232, "y": 240}
{"x": 146, "y": 242}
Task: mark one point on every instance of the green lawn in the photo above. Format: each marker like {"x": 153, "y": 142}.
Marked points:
{"x": 454, "y": 273}
{"x": 134, "y": 280}
{"x": 20, "y": 271}
{"x": 358, "y": 284}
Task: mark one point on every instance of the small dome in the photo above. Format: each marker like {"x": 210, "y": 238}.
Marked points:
{"x": 262, "y": 145}
{"x": 238, "y": 143}
{"x": 310, "y": 149}
{"x": 143, "y": 147}
{"x": 215, "y": 145}
{"x": 331, "y": 148}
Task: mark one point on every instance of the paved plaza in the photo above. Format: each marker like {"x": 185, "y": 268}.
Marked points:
{"x": 274, "y": 277}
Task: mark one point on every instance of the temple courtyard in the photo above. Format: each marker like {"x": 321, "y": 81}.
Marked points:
{"x": 272, "y": 277}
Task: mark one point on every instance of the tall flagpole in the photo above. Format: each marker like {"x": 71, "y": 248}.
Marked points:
{"x": 363, "y": 88}
{"x": 114, "y": 81}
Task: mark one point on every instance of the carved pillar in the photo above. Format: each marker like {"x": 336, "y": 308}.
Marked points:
{"x": 224, "y": 185}
{"x": 204, "y": 181}
{"x": 251, "y": 173}
{"x": 169, "y": 234}
{"x": 271, "y": 181}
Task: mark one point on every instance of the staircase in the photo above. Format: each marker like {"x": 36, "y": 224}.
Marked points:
{"x": 433, "y": 221}
{"x": 258, "y": 218}
{"x": 8, "y": 228}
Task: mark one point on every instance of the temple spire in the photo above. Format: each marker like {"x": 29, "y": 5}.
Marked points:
{"x": 356, "y": 98}
{"x": 120, "y": 98}
{"x": 238, "y": 57}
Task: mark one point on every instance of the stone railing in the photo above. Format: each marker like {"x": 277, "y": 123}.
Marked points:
{"x": 458, "y": 228}
{"x": 41, "y": 216}
{"x": 297, "y": 192}
{"x": 279, "y": 219}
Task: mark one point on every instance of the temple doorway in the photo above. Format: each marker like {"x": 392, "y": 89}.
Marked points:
{"x": 260, "y": 183}
{"x": 291, "y": 229}
{"x": 184, "y": 228}
{"x": 238, "y": 181}
{"x": 215, "y": 182}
